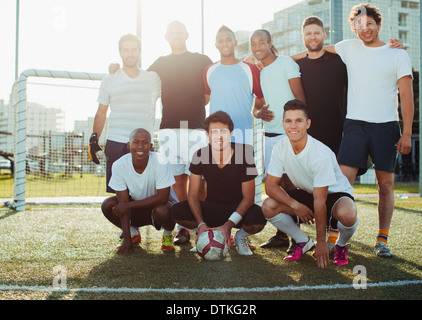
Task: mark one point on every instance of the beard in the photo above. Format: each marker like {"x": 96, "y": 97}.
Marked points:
{"x": 315, "y": 48}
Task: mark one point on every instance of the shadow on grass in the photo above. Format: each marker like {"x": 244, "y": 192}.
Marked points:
{"x": 147, "y": 267}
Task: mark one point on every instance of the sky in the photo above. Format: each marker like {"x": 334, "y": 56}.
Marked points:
{"x": 82, "y": 35}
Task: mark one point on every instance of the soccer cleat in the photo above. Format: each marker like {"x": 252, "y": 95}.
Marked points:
{"x": 167, "y": 243}
{"x": 242, "y": 245}
{"x": 250, "y": 245}
{"x": 135, "y": 236}
{"x": 382, "y": 250}
{"x": 340, "y": 256}
{"x": 182, "y": 237}
{"x": 279, "y": 240}
{"x": 291, "y": 247}
{"x": 300, "y": 249}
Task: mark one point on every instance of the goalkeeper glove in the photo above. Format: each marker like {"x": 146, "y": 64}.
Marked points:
{"x": 93, "y": 148}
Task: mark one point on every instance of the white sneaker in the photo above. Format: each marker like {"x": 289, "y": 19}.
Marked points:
{"x": 242, "y": 245}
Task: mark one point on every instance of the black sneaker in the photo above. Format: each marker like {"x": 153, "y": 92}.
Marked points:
{"x": 279, "y": 240}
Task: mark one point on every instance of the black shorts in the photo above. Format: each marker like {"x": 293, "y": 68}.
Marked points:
{"x": 140, "y": 217}
{"x": 216, "y": 214}
{"x": 378, "y": 140}
{"x": 113, "y": 151}
{"x": 307, "y": 199}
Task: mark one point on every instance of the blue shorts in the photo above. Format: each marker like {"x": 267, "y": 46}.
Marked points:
{"x": 377, "y": 140}
{"x": 113, "y": 151}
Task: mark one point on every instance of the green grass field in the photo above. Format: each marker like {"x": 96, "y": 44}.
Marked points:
{"x": 82, "y": 242}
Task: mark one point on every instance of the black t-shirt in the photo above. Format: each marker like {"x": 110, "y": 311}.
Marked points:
{"x": 324, "y": 81}
{"x": 225, "y": 185}
{"x": 182, "y": 89}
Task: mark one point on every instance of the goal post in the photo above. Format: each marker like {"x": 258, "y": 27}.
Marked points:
{"x": 19, "y": 102}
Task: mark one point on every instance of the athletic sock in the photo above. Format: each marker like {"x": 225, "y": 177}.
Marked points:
{"x": 332, "y": 235}
{"x": 285, "y": 223}
{"x": 382, "y": 235}
{"x": 242, "y": 234}
{"x": 346, "y": 233}
{"x": 167, "y": 232}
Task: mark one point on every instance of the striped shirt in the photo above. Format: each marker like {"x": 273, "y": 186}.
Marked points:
{"x": 132, "y": 102}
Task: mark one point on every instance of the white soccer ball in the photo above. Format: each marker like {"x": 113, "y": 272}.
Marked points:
{"x": 210, "y": 245}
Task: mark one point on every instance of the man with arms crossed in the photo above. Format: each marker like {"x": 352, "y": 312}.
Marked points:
{"x": 321, "y": 190}
{"x": 142, "y": 180}
{"x": 229, "y": 171}
{"x": 376, "y": 72}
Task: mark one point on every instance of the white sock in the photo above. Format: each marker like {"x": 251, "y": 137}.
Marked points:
{"x": 285, "y": 223}
{"x": 345, "y": 233}
{"x": 133, "y": 231}
{"x": 167, "y": 232}
{"x": 242, "y": 234}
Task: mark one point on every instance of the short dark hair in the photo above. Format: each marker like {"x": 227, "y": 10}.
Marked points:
{"x": 219, "y": 116}
{"x": 365, "y": 9}
{"x": 129, "y": 37}
{"x": 312, "y": 20}
{"x": 225, "y": 28}
{"x": 296, "y": 104}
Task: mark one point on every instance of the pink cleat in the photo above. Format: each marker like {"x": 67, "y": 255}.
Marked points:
{"x": 340, "y": 256}
{"x": 300, "y": 249}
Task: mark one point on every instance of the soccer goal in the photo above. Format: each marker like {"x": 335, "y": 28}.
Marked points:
{"x": 52, "y": 114}
{"x": 50, "y": 111}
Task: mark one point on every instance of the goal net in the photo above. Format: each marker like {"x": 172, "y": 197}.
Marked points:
{"x": 52, "y": 115}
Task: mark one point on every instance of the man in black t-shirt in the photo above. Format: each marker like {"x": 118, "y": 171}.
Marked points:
{"x": 229, "y": 170}
{"x": 324, "y": 80}
{"x": 182, "y": 96}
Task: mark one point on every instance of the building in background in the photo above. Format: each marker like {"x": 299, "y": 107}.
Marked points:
{"x": 400, "y": 21}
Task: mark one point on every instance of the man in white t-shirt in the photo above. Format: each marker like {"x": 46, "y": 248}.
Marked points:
{"x": 280, "y": 82}
{"x": 142, "y": 181}
{"x": 376, "y": 72}
{"x": 322, "y": 191}
{"x": 131, "y": 94}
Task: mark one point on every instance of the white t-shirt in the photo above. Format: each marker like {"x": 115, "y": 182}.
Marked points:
{"x": 157, "y": 175}
{"x": 276, "y": 89}
{"x": 316, "y": 166}
{"x": 373, "y": 74}
{"x": 132, "y": 102}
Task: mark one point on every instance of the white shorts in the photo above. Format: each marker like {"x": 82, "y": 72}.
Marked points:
{"x": 179, "y": 145}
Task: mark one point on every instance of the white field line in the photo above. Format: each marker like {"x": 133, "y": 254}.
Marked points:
{"x": 207, "y": 290}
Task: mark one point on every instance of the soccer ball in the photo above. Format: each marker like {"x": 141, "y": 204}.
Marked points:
{"x": 210, "y": 245}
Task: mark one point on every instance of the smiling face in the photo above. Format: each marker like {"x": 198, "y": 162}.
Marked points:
{"x": 367, "y": 30}
{"x": 219, "y": 136}
{"x": 260, "y": 46}
{"x": 296, "y": 125}
{"x": 225, "y": 43}
{"x": 140, "y": 145}
{"x": 313, "y": 37}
